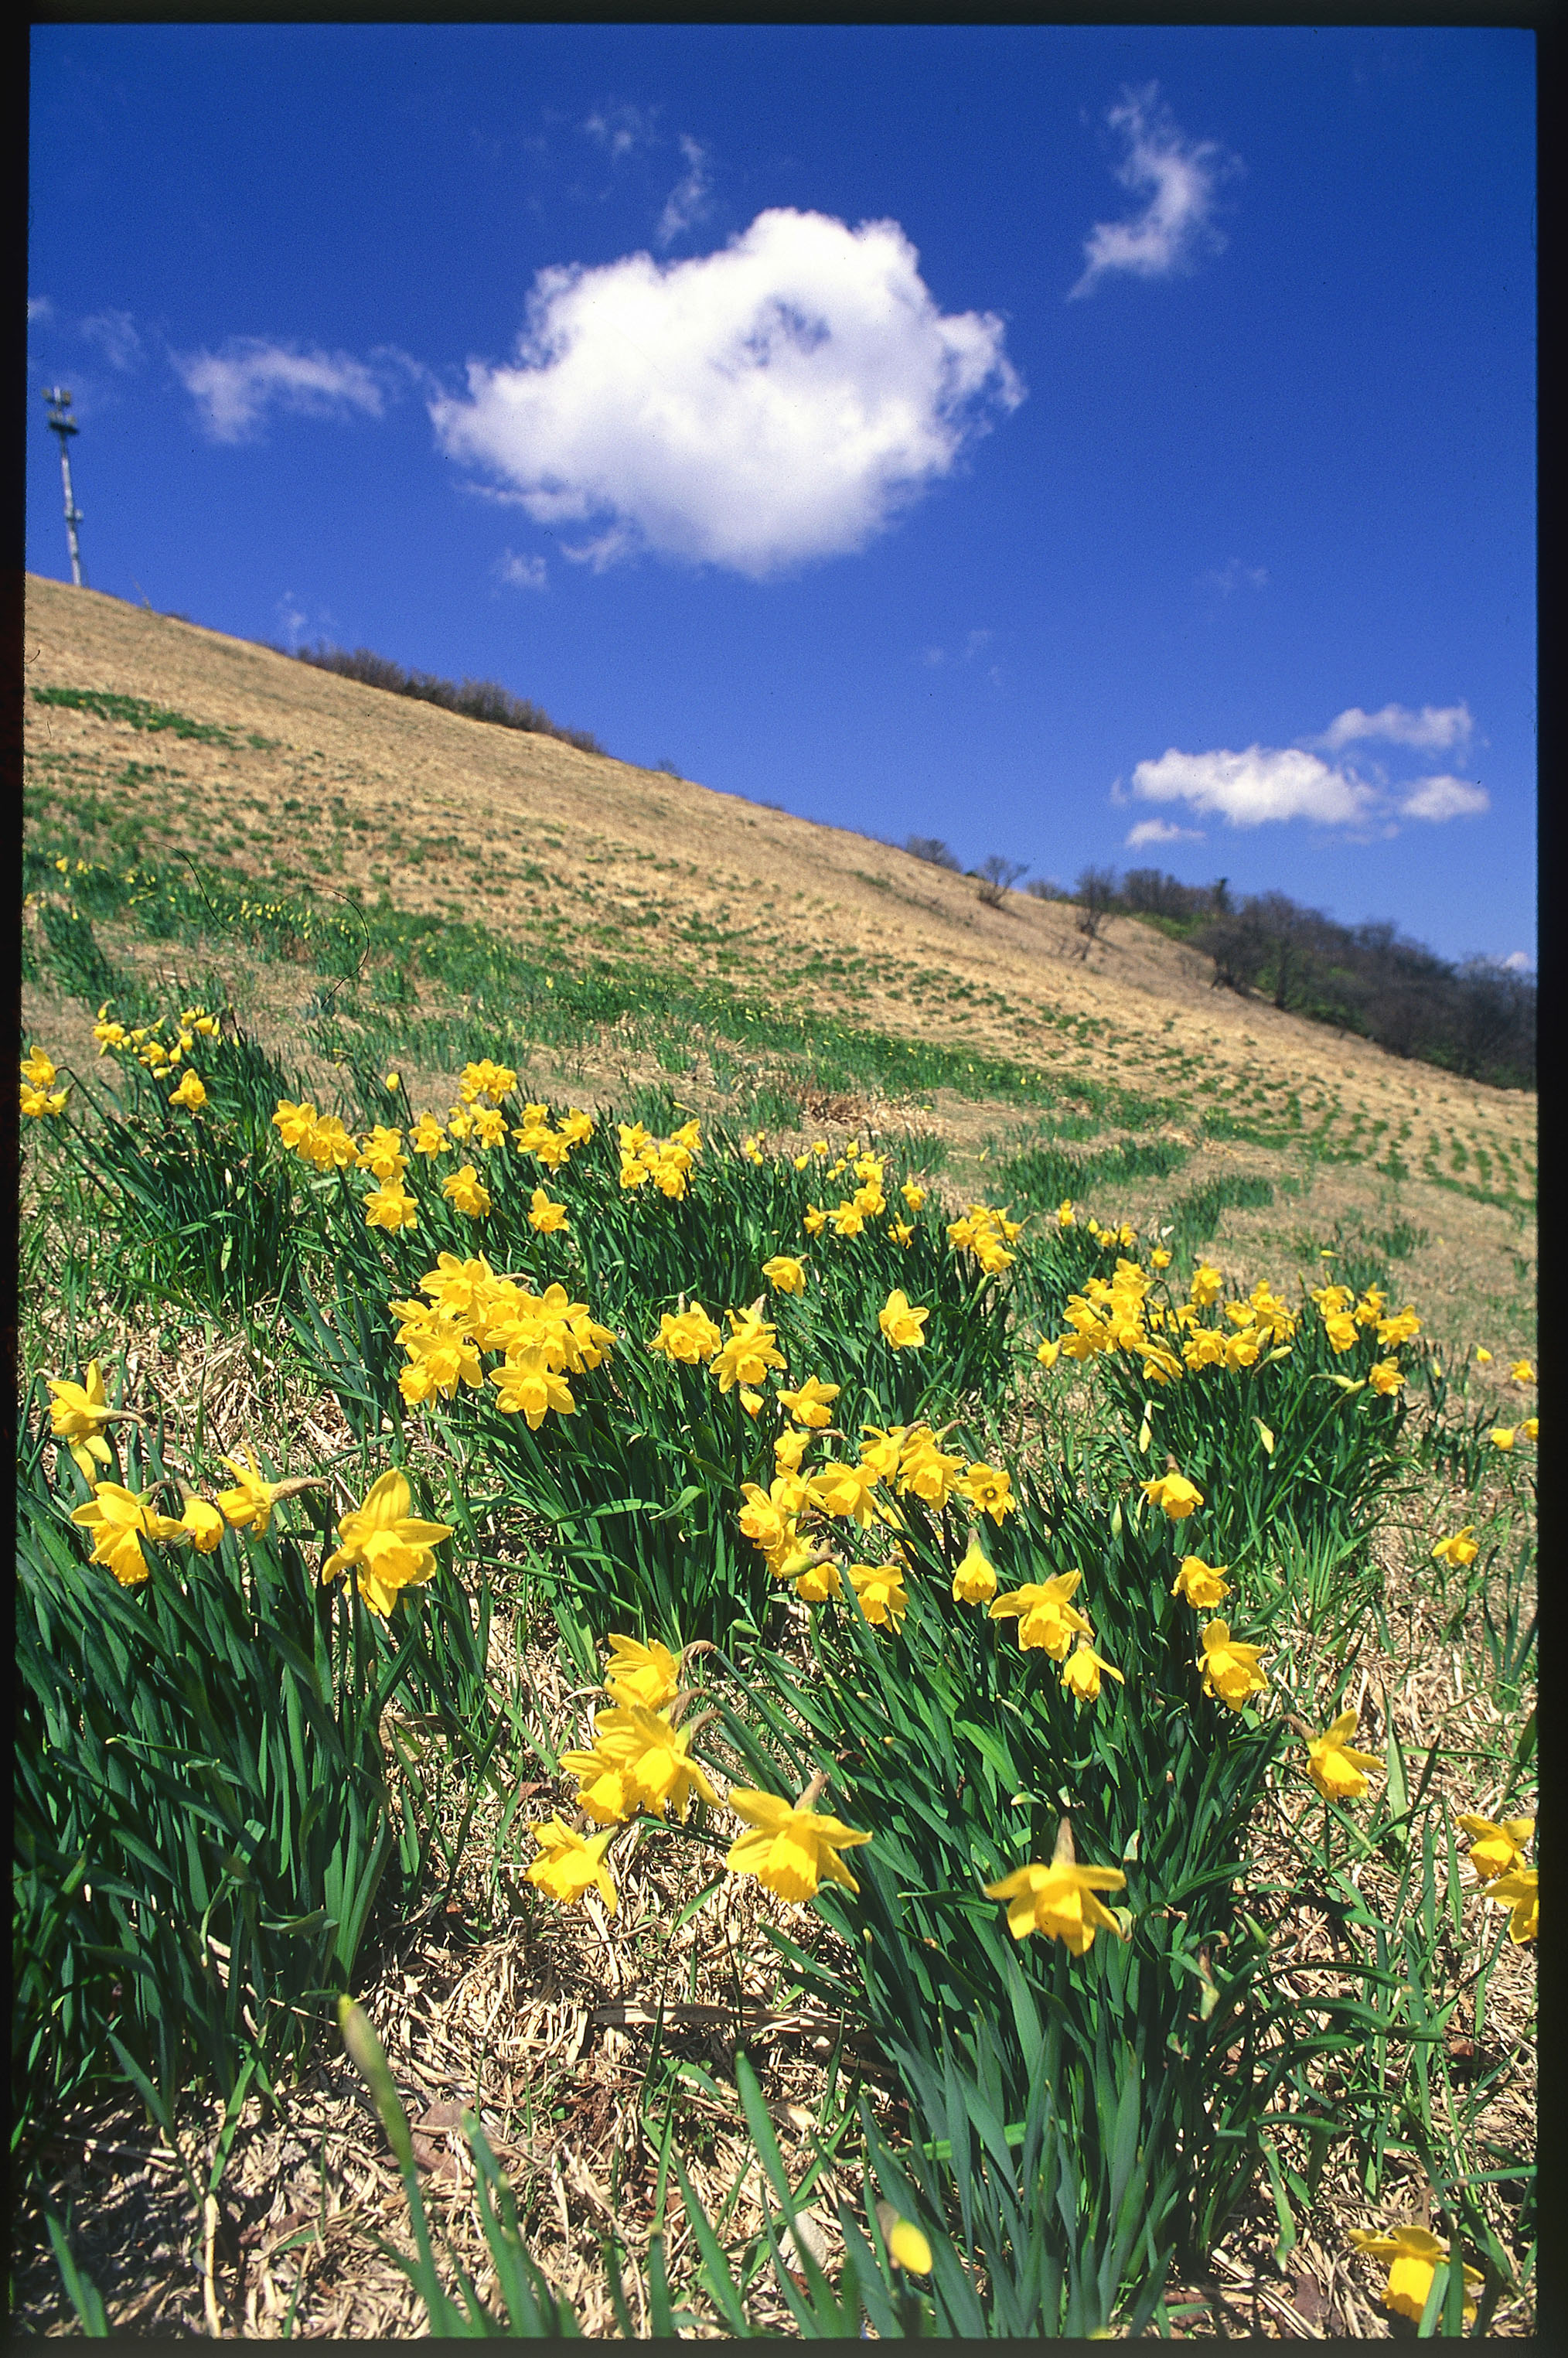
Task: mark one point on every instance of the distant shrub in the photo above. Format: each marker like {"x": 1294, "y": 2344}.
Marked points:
{"x": 931, "y": 848}
{"x": 476, "y": 699}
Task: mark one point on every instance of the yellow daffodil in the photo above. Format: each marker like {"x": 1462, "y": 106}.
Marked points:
{"x": 1207, "y": 1286}
{"x": 1457, "y": 1551}
{"x": 791, "y": 1849}
{"x": 394, "y": 1081}
{"x": 1159, "y": 1257}
{"x": 1385, "y": 1377}
{"x": 250, "y": 1503}
{"x": 37, "y": 1068}
{"x": 753, "y": 1402}
{"x": 527, "y": 1385}
{"x": 386, "y": 1547}
{"x": 1335, "y": 1768}
{"x": 1203, "y": 1586}
{"x": 545, "y": 1215}
{"x": 926, "y": 1471}
{"x": 1496, "y": 1848}
{"x": 1502, "y": 1436}
{"x": 1530, "y": 1429}
{"x": 1060, "y": 1899}
{"x": 202, "y": 1525}
{"x": 36, "y": 1103}
{"x": 819, "y": 1582}
{"x": 1519, "y": 1890}
{"x": 749, "y": 1353}
{"x": 191, "y": 1093}
{"x": 390, "y": 1206}
{"x": 568, "y": 1864}
{"x": 1414, "y": 2257}
{"x": 974, "y": 1583}
{"x": 467, "y": 1190}
{"x": 1175, "y": 1496}
{"x": 119, "y": 1521}
{"x": 847, "y": 1220}
{"x": 903, "y": 1326}
{"x": 841, "y": 1490}
{"x": 884, "y": 1600}
{"x": 690, "y": 1337}
{"x": 1044, "y": 1614}
{"x": 1482, "y": 1356}
{"x": 653, "y": 1759}
{"x": 293, "y": 1123}
{"x": 382, "y": 1154}
{"x": 637, "y": 1673}
{"x": 1521, "y": 1372}
{"x": 812, "y": 1404}
{"x": 909, "y": 2248}
{"x": 78, "y": 1413}
{"x": 785, "y": 1273}
{"x": 913, "y": 1196}
{"x": 427, "y": 1137}
{"x": 1047, "y": 1354}
{"x": 1081, "y": 1674}
{"x": 814, "y": 1219}
{"x": 603, "y": 1790}
{"x": 790, "y": 1448}
{"x": 989, "y": 1490}
{"x": 1230, "y": 1671}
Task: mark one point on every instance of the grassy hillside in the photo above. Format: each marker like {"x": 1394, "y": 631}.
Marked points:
{"x": 368, "y": 870}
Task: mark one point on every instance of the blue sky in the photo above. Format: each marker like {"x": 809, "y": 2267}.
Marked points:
{"x": 1109, "y": 445}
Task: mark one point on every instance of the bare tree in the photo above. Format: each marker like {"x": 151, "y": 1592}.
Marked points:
{"x": 1095, "y": 893}
{"x": 997, "y": 875}
{"x": 932, "y": 850}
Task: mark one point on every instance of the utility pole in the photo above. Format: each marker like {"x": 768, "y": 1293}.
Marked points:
{"x": 62, "y": 423}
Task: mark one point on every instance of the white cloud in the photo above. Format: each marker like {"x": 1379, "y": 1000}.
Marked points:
{"x": 1182, "y": 178}
{"x": 115, "y": 332}
{"x": 291, "y": 618}
{"x": 621, "y": 128}
{"x": 1432, "y": 729}
{"x": 40, "y": 308}
{"x": 234, "y": 388}
{"x": 687, "y": 201}
{"x": 772, "y": 403}
{"x": 1518, "y": 962}
{"x": 1161, "y": 830}
{"x": 1231, "y": 577}
{"x": 1441, "y": 798}
{"x": 520, "y": 572}
{"x": 1249, "y": 789}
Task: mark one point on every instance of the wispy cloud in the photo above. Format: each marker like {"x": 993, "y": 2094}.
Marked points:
{"x": 521, "y": 572}
{"x": 774, "y": 401}
{"x": 233, "y": 389}
{"x": 40, "y": 308}
{"x": 1161, "y": 830}
{"x": 1234, "y": 576}
{"x": 621, "y": 129}
{"x": 114, "y": 333}
{"x": 687, "y": 201}
{"x": 1518, "y": 962}
{"x": 1432, "y": 730}
{"x": 1182, "y": 178}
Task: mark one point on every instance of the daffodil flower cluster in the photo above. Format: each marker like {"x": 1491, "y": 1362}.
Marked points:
{"x": 641, "y": 1764}
{"x": 1497, "y": 1855}
{"x": 468, "y": 1310}
{"x": 39, "y": 1096}
{"x": 788, "y": 1521}
{"x": 323, "y": 1141}
{"x": 986, "y": 1232}
{"x": 869, "y": 1200}
{"x": 667, "y": 1162}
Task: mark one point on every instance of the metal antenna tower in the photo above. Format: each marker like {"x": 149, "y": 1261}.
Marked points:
{"x": 62, "y": 423}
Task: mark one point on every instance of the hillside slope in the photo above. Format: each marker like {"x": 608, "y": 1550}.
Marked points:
{"x": 324, "y": 784}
